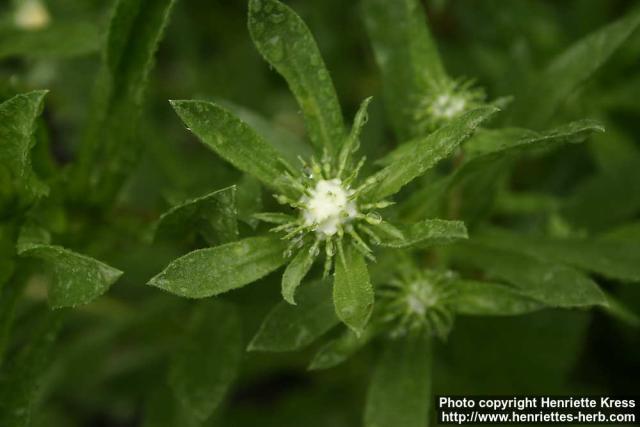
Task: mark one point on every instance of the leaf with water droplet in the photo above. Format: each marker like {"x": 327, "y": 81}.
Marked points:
{"x": 352, "y": 290}
{"x": 548, "y": 282}
{"x": 425, "y": 233}
{"x": 287, "y": 44}
{"x": 77, "y": 279}
{"x": 18, "y": 119}
{"x": 296, "y": 271}
{"x": 425, "y": 153}
{"x": 213, "y": 215}
{"x": 212, "y": 271}
{"x": 473, "y": 298}
{"x": 234, "y": 140}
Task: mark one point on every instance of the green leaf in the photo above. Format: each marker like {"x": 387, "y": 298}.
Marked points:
{"x": 289, "y": 144}
{"x": 618, "y": 260}
{"x": 233, "y": 140}
{"x": 161, "y": 409}
{"x": 400, "y": 390}
{"x": 487, "y": 156}
{"x": 57, "y": 41}
{"x": 489, "y": 299}
{"x": 428, "y": 233}
{"x": 620, "y": 311}
{"x": 618, "y": 190}
{"x": 339, "y": 349}
{"x": 20, "y": 380}
{"x": 111, "y": 147}
{"x": 18, "y": 117}
{"x": 422, "y": 154}
{"x": 289, "y": 328}
{"x": 249, "y": 200}
{"x": 553, "y": 284}
{"x": 77, "y": 279}
{"x": 499, "y": 142}
{"x": 212, "y": 271}
{"x": 207, "y": 360}
{"x": 286, "y": 43}
{"x": 352, "y": 143}
{"x": 352, "y": 290}
{"x": 296, "y": 271}
{"x": 406, "y": 55}
{"x": 213, "y": 215}
{"x": 571, "y": 69}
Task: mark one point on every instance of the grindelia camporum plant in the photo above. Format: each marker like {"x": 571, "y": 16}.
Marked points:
{"x": 420, "y": 244}
{"x": 331, "y": 210}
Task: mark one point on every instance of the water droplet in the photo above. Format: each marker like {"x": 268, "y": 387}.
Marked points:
{"x": 276, "y": 50}
{"x": 373, "y": 218}
{"x": 278, "y": 18}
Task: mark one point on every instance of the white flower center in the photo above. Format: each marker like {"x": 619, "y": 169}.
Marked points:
{"x": 448, "y": 106}
{"x": 328, "y": 207}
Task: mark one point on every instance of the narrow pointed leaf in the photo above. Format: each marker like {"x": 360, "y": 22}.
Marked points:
{"x": 212, "y": 271}
{"x": 213, "y": 215}
{"x": 286, "y": 43}
{"x": 573, "y": 68}
{"x": 274, "y": 217}
{"x": 400, "y": 390}
{"x": 500, "y": 142}
{"x": 490, "y": 299}
{"x": 295, "y": 272}
{"x": 406, "y": 55}
{"x": 22, "y": 377}
{"x": 207, "y": 360}
{"x": 77, "y": 279}
{"x": 613, "y": 259}
{"x": 233, "y": 140}
{"x": 292, "y": 327}
{"x": 353, "y": 140}
{"x": 352, "y": 290}
{"x": 289, "y": 144}
{"x": 18, "y": 117}
{"x": 422, "y": 154}
{"x": 551, "y": 283}
{"x": 339, "y": 349}
{"x": 428, "y": 233}
{"x": 487, "y": 156}
{"x": 111, "y": 146}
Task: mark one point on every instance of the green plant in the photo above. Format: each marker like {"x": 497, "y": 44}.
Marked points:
{"x": 452, "y": 220}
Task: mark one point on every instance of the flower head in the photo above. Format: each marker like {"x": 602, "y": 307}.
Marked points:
{"x": 448, "y": 101}
{"x": 31, "y": 15}
{"x": 328, "y": 210}
{"x": 417, "y": 301}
